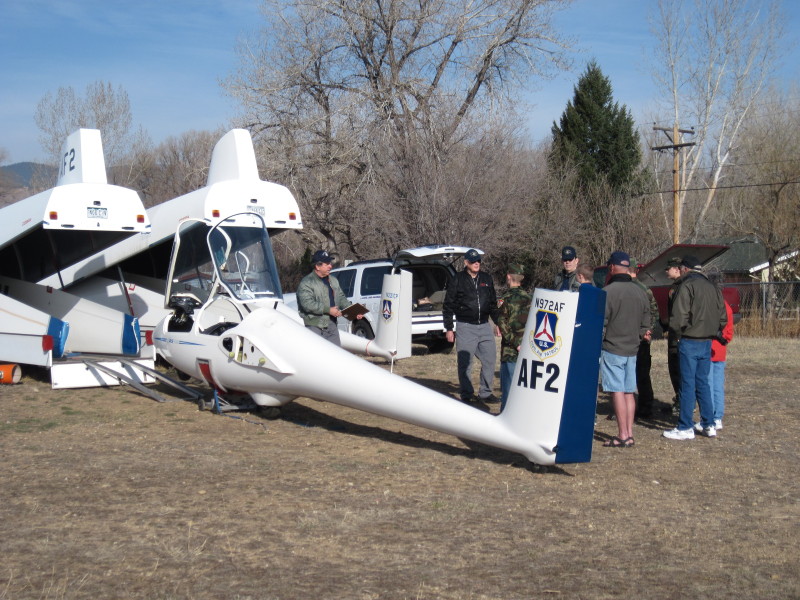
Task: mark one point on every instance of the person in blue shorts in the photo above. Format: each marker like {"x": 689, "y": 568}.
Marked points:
{"x": 627, "y": 323}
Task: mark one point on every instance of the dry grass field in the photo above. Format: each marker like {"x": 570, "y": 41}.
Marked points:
{"x": 107, "y": 494}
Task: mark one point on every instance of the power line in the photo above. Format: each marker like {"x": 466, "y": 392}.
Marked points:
{"x": 730, "y": 165}
{"x": 723, "y": 187}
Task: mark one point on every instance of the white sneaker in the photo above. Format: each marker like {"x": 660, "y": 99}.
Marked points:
{"x": 717, "y": 425}
{"x": 679, "y": 434}
{"x": 710, "y": 431}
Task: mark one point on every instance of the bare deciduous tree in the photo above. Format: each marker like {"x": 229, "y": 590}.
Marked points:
{"x": 104, "y": 108}
{"x": 767, "y": 205}
{"x": 178, "y": 165}
{"x": 5, "y": 180}
{"x": 712, "y": 62}
{"x": 361, "y": 106}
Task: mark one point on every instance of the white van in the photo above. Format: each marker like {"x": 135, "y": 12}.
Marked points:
{"x": 431, "y": 268}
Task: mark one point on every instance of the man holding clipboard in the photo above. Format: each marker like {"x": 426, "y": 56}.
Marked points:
{"x": 320, "y": 300}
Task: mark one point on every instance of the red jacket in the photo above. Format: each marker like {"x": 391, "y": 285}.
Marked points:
{"x": 719, "y": 353}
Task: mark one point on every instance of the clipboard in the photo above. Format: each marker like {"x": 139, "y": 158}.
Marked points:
{"x": 352, "y": 312}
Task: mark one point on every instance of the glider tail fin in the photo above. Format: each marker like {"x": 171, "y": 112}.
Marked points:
{"x": 553, "y": 397}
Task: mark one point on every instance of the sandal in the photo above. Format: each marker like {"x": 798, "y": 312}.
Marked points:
{"x": 614, "y": 442}
{"x": 628, "y": 443}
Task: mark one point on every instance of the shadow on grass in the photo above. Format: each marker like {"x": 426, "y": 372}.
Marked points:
{"x": 308, "y": 417}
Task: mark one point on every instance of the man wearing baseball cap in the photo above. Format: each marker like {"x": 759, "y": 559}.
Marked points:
{"x": 627, "y": 322}
{"x": 320, "y": 298}
{"x": 566, "y": 279}
{"x": 470, "y": 301}
{"x": 698, "y": 316}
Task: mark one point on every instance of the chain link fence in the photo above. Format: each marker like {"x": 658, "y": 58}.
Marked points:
{"x": 769, "y": 308}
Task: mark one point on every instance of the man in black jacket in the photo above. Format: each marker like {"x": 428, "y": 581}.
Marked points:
{"x": 470, "y": 301}
{"x": 673, "y": 364}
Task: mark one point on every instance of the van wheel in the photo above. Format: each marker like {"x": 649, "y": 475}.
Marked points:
{"x": 361, "y": 328}
{"x": 440, "y": 347}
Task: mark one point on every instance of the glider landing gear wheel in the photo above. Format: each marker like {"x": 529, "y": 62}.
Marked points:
{"x": 270, "y": 412}
{"x": 361, "y": 328}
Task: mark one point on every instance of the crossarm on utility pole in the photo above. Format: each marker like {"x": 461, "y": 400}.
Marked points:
{"x": 675, "y": 146}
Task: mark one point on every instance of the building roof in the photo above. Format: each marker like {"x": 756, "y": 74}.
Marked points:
{"x": 743, "y": 255}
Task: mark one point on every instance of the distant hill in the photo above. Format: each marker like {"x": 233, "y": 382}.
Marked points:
{"x": 19, "y": 175}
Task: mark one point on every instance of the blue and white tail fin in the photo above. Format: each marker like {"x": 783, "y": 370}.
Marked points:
{"x": 553, "y": 395}
{"x": 394, "y": 321}
{"x": 550, "y": 412}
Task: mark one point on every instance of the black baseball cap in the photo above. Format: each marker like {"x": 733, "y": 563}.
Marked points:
{"x": 568, "y": 253}
{"x": 321, "y": 256}
{"x": 472, "y": 256}
{"x": 691, "y": 262}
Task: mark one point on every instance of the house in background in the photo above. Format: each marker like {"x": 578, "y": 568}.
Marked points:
{"x": 745, "y": 266}
{"x": 747, "y": 262}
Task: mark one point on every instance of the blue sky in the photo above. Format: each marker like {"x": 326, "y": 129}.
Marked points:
{"x": 171, "y": 55}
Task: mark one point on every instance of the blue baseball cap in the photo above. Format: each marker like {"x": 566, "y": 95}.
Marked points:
{"x": 620, "y": 258}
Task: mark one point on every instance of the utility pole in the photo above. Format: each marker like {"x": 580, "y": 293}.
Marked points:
{"x": 674, "y": 135}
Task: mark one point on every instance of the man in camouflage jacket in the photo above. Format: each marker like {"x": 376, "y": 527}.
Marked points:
{"x": 514, "y": 308}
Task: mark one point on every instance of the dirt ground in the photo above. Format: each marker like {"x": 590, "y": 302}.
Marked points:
{"x": 108, "y": 494}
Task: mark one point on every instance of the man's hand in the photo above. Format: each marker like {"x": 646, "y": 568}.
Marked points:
{"x": 335, "y": 312}
{"x": 450, "y": 336}
{"x": 648, "y": 335}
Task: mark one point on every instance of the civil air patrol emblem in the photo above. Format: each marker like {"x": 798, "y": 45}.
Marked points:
{"x": 543, "y": 338}
{"x": 387, "y": 310}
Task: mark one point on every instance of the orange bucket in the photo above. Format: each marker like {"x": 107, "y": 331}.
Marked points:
{"x": 10, "y": 373}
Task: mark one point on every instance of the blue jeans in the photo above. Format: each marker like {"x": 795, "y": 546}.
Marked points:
{"x": 695, "y": 362}
{"x": 506, "y": 376}
{"x": 718, "y": 388}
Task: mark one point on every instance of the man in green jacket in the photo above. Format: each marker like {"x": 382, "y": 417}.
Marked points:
{"x": 320, "y": 299}
{"x": 697, "y": 317}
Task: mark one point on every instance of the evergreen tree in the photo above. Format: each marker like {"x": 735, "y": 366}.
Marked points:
{"x": 597, "y": 136}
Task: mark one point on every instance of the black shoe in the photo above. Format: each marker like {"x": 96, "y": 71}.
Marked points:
{"x": 490, "y": 399}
